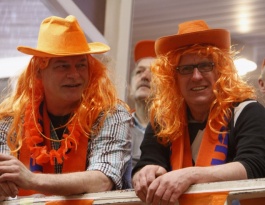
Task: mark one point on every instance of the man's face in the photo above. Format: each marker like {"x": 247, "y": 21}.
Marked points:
{"x": 197, "y": 87}
{"x": 65, "y": 79}
{"x": 262, "y": 81}
{"x": 141, "y": 77}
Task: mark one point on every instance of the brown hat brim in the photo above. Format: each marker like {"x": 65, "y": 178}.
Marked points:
{"x": 216, "y": 37}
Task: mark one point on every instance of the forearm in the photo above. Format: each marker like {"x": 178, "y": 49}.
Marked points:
{"x": 226, "y": 172}
{"x": 71, "y": 183}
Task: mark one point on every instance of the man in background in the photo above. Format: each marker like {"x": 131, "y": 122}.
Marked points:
{"x": 262, "y": 78}
{"x": 144, "y": 56}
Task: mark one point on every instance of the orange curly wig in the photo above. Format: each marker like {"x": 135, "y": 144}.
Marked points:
{"x": 98, "y": 100}
{"x": 168, "y": 114}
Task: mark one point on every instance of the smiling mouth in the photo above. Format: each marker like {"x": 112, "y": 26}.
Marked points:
{"x": 199, "y": 88}
{"x": 72, "y": 86}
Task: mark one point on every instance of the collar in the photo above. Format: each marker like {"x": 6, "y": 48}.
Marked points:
{"x": 137, "y": 123}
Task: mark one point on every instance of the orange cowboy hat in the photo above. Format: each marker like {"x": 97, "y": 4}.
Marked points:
{"x": 62, "y": 37}
{"x": 144, "y": 49}
{"x": 193, "y": 32}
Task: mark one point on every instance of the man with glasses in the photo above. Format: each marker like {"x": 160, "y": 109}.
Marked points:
{"x": 205, "y": 124}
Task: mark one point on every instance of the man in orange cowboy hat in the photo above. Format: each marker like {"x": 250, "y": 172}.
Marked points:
{"x": 205, "y": 125}
{"x": 65, "y": 128}
{"x": 144, "y": 56}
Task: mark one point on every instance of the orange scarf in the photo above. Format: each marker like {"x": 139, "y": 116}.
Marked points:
{"x": 213, "y": 149}
{"x": 73, "y": 161}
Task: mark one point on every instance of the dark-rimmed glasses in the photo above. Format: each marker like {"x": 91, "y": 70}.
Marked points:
{"x": 202, "y": 67}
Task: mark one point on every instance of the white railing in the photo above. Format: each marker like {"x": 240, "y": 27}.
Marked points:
{"x": 237, "y": 190}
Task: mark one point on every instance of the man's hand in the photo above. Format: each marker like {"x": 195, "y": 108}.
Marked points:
{"x": 143, "y": 178}
{"x": 14, "y": 175}
{"x": 166, "y": 189}
{"x": 155, "y": 186}
{"x": 8, "y": 189}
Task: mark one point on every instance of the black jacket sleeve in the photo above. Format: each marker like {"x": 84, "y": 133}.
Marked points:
{"x": 249, "y": 136}
{"x": 249, "y": 144}
{"x": 152, "y": 152}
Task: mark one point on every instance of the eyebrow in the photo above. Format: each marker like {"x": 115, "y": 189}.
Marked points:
{"x": 64, "y": 61}
{"x": 60, "y": 61}
{"x": 83, "y": 59}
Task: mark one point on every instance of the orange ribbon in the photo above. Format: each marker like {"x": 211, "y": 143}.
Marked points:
{"x": 212, "y": 198}
{"x": 71, "y": 202}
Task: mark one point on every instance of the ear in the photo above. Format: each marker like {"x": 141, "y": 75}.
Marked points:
{"x": 38, "y": 73}
{"x": 261, "y": 86}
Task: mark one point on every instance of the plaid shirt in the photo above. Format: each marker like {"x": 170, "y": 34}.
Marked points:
{"x": 108, "y": 152}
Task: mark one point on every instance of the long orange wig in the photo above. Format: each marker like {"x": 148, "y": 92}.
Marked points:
{"x": 168, "y": 111}
{"x": 98, "y": 100}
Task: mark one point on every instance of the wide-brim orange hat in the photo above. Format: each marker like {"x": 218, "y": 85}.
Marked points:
{"x": 144, "y": 49}
{"x": 193, "y": 32}
{"x": 62, "y": 37}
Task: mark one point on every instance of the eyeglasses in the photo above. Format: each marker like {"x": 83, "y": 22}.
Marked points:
{"x": 202, "y": 67}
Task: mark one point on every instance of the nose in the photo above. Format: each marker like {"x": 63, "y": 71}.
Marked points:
{"x": 72, "y": 72}
{"x": 196, "y": 75}
{"x": 146, "y": 75}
